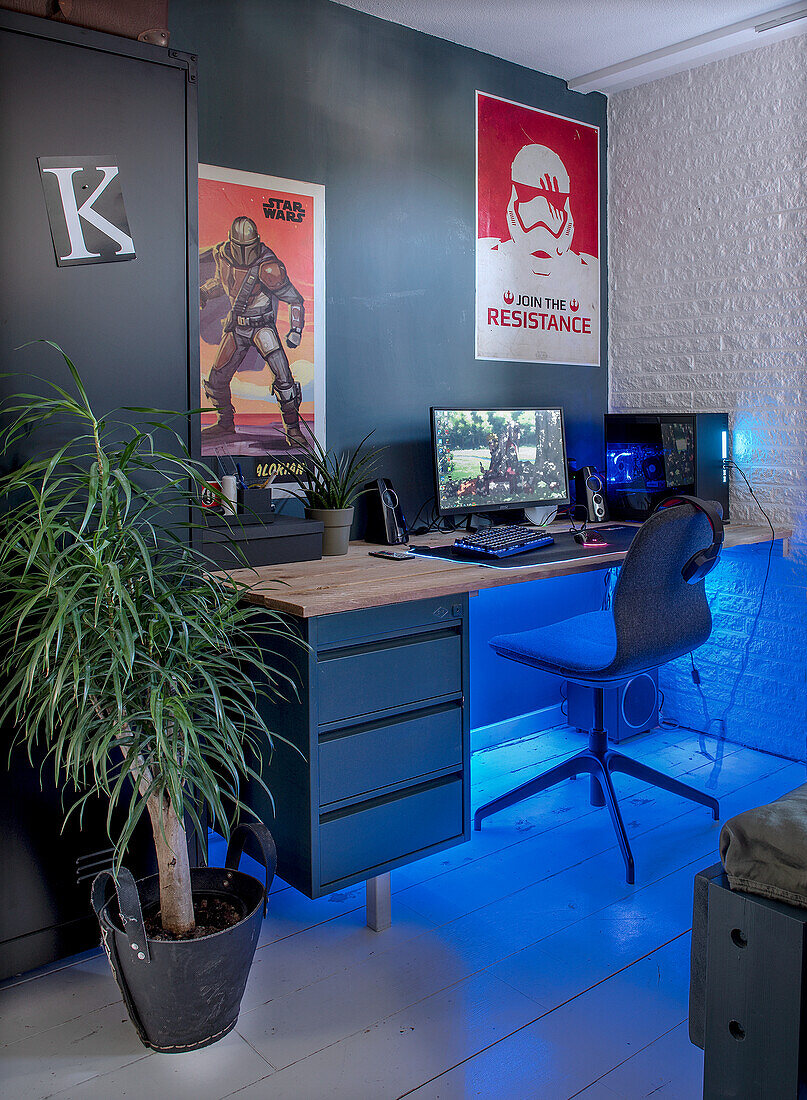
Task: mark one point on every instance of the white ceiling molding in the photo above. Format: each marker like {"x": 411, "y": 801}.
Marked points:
{"x": 747, "y": 35}
{"x": 614, "y": 44}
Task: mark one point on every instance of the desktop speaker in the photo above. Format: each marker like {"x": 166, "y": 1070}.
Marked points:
{"x": 386, "y": 523}
{"x": 627, "y": 710}
{"x": 589, "y": 494}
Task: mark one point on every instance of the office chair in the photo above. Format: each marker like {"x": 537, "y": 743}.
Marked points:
{"x": 660, "y": 612}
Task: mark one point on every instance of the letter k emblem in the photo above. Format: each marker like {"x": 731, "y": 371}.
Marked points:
{"x": 75, "y": 216}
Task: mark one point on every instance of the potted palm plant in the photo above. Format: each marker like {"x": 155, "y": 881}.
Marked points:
{"x": 329, "y": 485}
{"x": 136, "y": 671}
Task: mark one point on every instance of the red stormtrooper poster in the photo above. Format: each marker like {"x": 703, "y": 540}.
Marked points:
{"x": 262, "y": 321}
{"x": 538, "y": 233}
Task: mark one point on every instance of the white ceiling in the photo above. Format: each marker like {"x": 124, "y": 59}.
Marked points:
{"x": 577, "y": 40}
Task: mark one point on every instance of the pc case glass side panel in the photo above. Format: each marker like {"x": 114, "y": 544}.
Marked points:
{"x": 647, "y": 458}
{"x": 632, "y": 465}
{"x": 678, "y": 454}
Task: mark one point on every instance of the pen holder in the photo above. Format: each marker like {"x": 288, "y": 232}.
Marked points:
{"x": 255, "y": 504}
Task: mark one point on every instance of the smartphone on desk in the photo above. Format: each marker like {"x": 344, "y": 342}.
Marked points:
{"x": 393, "y": 555}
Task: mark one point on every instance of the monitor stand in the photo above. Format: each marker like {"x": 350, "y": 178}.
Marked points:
{"x": 495, "y": 518}
{"x": 541, "y": 516}
{"x": 538, "y": 517}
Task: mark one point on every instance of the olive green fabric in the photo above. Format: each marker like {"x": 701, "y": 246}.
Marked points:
{"x": 764, "y": 851}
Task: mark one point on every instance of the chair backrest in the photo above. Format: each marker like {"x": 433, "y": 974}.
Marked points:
{"x": 658, "y": 616}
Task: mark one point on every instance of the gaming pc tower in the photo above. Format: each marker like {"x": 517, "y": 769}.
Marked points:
{"x": 649, "y": 457}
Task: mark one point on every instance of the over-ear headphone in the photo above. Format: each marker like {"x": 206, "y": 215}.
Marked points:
{"x": 705, "y": 560}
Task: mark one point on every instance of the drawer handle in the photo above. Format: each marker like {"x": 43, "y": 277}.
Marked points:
{"x": 360, "y": 648}
{"x": 397, "y": 795}
{"x": 410, "y": 714}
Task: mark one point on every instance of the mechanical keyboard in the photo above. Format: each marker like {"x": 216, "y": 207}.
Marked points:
{"x": 501, "y": 542}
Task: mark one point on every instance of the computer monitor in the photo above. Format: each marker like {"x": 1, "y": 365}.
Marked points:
{"x": 490, "y": 460}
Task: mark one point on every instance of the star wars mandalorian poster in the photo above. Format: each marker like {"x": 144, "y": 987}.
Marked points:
{"x": 538, "y": 235}
{"x": 262, "y": 323}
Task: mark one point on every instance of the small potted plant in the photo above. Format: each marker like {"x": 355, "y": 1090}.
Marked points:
{"x": 329, "y": 486}
{"x": 136, "y": 672}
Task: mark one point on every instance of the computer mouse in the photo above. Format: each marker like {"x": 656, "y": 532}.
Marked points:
{"x": 592, "y": 537}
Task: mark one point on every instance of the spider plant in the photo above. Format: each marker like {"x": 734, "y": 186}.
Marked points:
{"x": 330, "y": 480}
{"x": 121, "y": 656}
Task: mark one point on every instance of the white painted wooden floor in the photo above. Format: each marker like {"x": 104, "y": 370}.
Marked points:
{"x": 519, "y": 965}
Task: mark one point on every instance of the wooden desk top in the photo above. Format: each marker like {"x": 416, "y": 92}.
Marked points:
{"x": 357, "y": 581}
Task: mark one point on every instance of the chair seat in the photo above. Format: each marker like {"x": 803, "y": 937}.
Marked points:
{"x": 656, "y": 617}
{"x": 584, "y": 647}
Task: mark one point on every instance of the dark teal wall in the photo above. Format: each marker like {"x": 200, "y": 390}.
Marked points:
{"x": 384, "y": 117}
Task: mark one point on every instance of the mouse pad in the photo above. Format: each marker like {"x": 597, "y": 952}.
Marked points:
{"x": 616, "y": 536}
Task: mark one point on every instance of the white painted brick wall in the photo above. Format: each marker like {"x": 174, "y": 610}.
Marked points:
{"x": 708, "y": 311}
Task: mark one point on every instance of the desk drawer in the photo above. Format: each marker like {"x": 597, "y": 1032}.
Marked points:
{"x": 356, "y": 841}
{"x": 391, "y": 619}
{"x": 365, "y": 679}
{"x": 384, "y": 754}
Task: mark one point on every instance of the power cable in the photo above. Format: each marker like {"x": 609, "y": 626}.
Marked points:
{"x": 721, "y": 721}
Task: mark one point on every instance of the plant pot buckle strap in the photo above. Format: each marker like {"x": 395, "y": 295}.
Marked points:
{"x": 130, "y": 911}
{"x": 235, "y": 849}
{"x": 108, "y": 939}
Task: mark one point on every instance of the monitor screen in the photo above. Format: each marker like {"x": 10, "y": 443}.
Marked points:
{"x": 492, "y": 459}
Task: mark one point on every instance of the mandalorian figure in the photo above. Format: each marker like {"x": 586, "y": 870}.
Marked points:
{"x": 255, "y": 281}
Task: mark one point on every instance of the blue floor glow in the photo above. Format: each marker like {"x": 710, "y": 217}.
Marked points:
{"x": 519, "y": 965}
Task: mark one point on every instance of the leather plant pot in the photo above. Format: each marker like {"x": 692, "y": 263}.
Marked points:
{"x": 185, "y": 994}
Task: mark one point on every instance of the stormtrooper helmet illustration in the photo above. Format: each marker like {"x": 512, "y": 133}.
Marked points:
{"x": 539, "y": 213}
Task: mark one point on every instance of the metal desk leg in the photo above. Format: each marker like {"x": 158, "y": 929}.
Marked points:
{"x": 379, "y": 903}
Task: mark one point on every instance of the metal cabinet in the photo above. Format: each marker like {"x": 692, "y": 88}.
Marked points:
{"x": 69, "y": 92}
{"x": 373, "y": 772}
